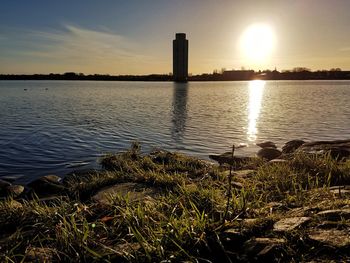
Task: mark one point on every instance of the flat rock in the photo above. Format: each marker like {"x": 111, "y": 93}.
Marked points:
{"x": 335, "y": 215}
{"x": 134, "y": 191}
{"x": 267, "y": 144}
{"x": 331, "y": 237}
{"x": 4, "y": 184}
{"x": 338, "y": 149}
{"x": 3, "y": 187}
{"x": 290, "y": 223}
{"x": 226, "y": 158}
{"x": 269, "y": 153}
{"x": 292, "y": 146}
{"x": 299, "y": 211}
{"x": 47, "y": 185}
{"x": 336, "y": 187}
{"x": 263, "y": 248}
{"x": 15, "y": 190}
{"x": 263, "y": 241}
{"x": 232, "y": 235}
{"x": 342, "y": 190}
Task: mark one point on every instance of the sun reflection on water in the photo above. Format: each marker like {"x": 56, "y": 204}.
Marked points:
{"x": 256, "y": 90}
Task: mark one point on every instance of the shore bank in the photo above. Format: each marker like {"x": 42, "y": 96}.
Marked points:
{"x": 171, "y": 207}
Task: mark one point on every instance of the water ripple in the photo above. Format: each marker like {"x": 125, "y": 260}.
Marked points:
{"x": 72, "y": 124}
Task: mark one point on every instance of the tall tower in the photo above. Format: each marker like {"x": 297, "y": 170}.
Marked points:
{"x": 180, "y": 58}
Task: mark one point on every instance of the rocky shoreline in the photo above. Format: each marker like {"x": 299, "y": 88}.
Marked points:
{"x": 291, "y": 204}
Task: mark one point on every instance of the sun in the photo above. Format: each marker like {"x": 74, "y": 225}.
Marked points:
{"x": 257, "y": 43}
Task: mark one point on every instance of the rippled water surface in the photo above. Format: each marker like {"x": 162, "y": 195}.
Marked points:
{"x": 61, "y": 126}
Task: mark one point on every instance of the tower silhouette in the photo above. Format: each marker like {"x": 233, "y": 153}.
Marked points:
{"x": 180, "y": 58}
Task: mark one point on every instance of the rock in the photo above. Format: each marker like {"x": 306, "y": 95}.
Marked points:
{"x": 267, "y": 144}
{"x": 336, "y": 214}
{"x": 232, "y": 236}
{"x": 339, "y": 149}
{"x": 41, "y": 254}
{"x": 269, "y": 153}
{"x": 3, "y": 187}
{"x": 299, "y": 211}
{"x": 51, "y": 178}
{"x": 15, "y": 190}
{"x": 135, "y": 192}
{"x": 263, "y": 248}
{"x": 331, "y": 237}
{"x": 290, "y": 223}
{"x": 292, "y": 146}
{"x": 4, "y": 184}
{"x": 228, "y": 159}
{"x": 341, "y": 190}
{"x": 47, "y": 185}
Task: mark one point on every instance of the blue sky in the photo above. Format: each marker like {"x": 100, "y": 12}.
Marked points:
{"x": 134, "y": 37}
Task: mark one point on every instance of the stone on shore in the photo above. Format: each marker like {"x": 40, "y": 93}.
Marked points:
{"x": 3, "y": 188}
{"x": 134, "y": 192}
{"x": 292, "y": 146}
{"x": 341, "y": 190}
{"x": 263, "y": 248}
{"x": 267, "y": 144}
{"x": 226, "y": 158}
{"x": 47, "y": 185}
{"x": 331, "y": 237}
{"x": 269, "y": 153}
{"x": 335, "y": 215}
{"x": 14, "y": 190}
{"x": 4, "y": 184}
{"x": 339, "y": 149}
{"x": 290, "y": 223}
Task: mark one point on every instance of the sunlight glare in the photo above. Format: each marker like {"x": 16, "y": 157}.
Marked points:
{"x": 257, "y": 43}
{"x": 256, "y": 90}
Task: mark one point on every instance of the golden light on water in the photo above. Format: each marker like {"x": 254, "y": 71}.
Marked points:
{"x": 256, "y": 90}
{"x": 257, "y": 43}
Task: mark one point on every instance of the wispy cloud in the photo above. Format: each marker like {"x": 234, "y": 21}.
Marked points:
{"x": 80, "y": 49}
{"x": 344, "y": 49}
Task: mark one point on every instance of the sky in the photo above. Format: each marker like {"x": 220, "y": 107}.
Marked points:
{"x": 135, "y": 37}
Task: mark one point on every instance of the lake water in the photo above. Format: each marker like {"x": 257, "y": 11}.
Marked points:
{"x": 55, "y": 127}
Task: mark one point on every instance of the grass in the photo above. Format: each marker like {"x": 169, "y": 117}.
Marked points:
{"x": 186, "y": 221}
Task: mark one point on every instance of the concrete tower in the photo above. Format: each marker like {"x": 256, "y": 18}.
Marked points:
{"x": 180, "y": 58}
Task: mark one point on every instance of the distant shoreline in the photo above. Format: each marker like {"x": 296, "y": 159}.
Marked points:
{"x": 231, "y": 75}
